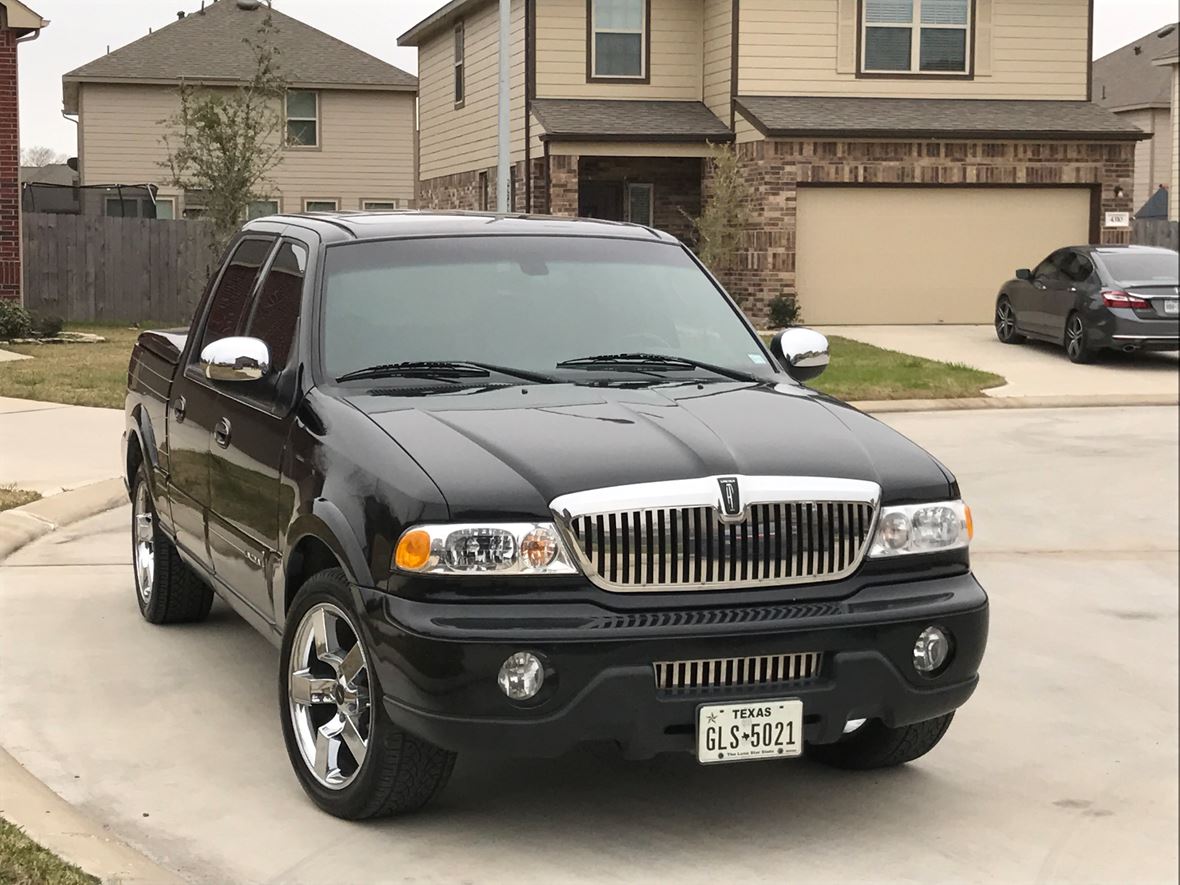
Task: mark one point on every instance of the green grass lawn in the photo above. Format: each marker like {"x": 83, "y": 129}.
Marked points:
{"x": 24, "y": 862}
{"x": 863, "y": 372}
{"x": 96, "y": 374}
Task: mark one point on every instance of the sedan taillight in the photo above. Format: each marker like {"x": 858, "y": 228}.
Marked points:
{"x": 1119, "y": 298}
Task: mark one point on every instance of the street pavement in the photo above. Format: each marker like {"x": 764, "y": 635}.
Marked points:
{"x": 1062, "y": 768}
{"x": 1031, "y": 369}
{"x": 48, "y": 447}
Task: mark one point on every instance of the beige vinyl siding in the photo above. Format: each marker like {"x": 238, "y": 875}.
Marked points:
{"x": 676, "y": 56}
{"x": 1153, "y": 156}
{"x": 744, "y": 130}
{"x": 718, "y": 60}
{"x": 366, "y": 145}
{"x": 1026, "y": 49}
{"x": 464, "y": 139}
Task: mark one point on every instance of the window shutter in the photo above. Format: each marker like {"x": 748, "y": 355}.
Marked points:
{"x": 983, "y": 38}
{"x": 846, "y": 29}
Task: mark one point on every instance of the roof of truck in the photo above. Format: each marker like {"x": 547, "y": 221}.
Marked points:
{"x": 422, "y": 223}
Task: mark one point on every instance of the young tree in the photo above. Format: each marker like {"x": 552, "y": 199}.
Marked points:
{"x": 724, "y": 217}
{"x": 40, "y": 155}
{"x": 223, "y": 143}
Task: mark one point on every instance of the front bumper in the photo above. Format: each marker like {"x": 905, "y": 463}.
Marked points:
{"x": 437, "y": 665}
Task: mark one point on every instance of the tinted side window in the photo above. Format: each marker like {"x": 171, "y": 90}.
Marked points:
{"x": 276, "y": 309}
{"x": 1083, "y": 268}
{"x": 1046, "y": 270}
{"x": 234, "y": 289}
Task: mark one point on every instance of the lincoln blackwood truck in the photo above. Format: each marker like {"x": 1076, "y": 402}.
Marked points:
{"x": 516, "y": 484}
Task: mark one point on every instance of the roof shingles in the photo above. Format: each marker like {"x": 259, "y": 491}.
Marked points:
{"x": 609, "y": 119}
{"x": 1129, "y": 78}
{"x": 211, "y": 45}
{"x": 933, "y": 118}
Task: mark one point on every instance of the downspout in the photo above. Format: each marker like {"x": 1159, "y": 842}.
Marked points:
{"x": 503, "y": 123}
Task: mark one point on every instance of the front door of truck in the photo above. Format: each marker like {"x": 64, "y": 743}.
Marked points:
{"x": 253, "y": 420}
{"x": 192, "y": 411}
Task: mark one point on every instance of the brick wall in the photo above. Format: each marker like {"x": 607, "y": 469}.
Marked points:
{"x": 462, "y": 190}
{"x": 774, "y": 170}
{"x": 10, "y": 272}
{"x": 676, "y": 180}
{"x": 563, "y": 186}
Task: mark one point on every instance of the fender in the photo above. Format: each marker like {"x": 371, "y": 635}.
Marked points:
{"x": 328, "y": 524}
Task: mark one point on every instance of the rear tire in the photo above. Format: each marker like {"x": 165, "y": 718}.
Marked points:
{"x": 167, "y": 589}
{"x": 1077, "y": 347}
{"x": 876, "y": 745}
{"x": 1006, "y": 323}
{"x": 352, "y": 760}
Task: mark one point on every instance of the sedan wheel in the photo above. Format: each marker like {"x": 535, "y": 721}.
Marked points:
{"x": 1076, "y": 346}
{"x": 328, "y": 696}
{"x": 1006, "y": 323}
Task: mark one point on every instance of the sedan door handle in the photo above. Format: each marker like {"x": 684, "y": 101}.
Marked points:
{"x": 221, "y": 432}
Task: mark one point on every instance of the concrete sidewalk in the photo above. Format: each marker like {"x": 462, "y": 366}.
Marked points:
{"x": 49, "y": 447}
{"x": 1032, "y": 369}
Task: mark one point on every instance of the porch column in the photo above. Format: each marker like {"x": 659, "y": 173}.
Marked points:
{"x": 563, "y": 186}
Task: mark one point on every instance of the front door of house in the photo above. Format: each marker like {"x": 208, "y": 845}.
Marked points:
{"x": 601, "y": 199}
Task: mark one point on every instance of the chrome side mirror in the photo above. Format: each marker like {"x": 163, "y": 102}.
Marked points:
{"x": 235, "y": 359}
{"x": 804, "y": 353}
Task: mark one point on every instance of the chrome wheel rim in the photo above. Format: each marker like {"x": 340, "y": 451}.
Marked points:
{"x": 143, "y": 542}
{"x": 1005, "y": 322}
{"x": 328, "y": 696}
{"x": 1073, "y": 339}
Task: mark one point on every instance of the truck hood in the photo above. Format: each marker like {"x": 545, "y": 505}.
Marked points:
{"x": 506, "y": 452}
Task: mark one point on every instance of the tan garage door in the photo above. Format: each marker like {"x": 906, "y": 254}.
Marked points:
{"x": 924, "y": 255}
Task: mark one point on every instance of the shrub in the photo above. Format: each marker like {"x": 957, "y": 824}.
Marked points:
{"x": 15, "y": 321}
{"x": 47, "y": 326}
{"x": 784, "y": 311}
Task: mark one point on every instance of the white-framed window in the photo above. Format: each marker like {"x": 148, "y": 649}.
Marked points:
{"x": 916, "y": 36}
{"x": 460, "y": 64}
{"x": 618, "y": 39}
{"x": 641, "y": 203}
{"x": 321, "y": 205}
{"x": 166, "y": 208}
{"x": 261, "y": 208}
{"x": 380, "y": 205}
{"x": 122, "y": 207}
{"x": 303, "y": 118}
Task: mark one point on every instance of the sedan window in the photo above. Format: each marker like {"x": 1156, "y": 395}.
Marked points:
{"x": 1125, "y": 268}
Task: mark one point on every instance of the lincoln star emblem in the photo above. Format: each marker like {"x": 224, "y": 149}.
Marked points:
{"x": 731, "y": 499}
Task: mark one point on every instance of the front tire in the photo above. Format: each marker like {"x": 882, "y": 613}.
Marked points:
{"x": 167, "y": 589}
{"x": 1077, "y": 347}
{"x": 876, "y": 745}
{"x": 349, "y": 756}
{"x": 1006, "y": 323}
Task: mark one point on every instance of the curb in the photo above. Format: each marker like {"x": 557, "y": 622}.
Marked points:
{"x": 23, "y": 525}
{"x": 55, "y": 824}
{"x": 883, "y": 407}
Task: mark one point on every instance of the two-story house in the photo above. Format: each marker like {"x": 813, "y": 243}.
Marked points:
{"x": 903, "y": 156}
{"x": 349, "y": 118}
{"x": 1129, "y": 83}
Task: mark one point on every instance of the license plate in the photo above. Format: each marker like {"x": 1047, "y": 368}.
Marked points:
{"x": 747, "y": 731}
{"x": 1172, "y": 307}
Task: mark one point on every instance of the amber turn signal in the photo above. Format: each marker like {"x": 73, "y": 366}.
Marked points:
{"x": 413, "y": 551}
{"x": 970, "y": 522}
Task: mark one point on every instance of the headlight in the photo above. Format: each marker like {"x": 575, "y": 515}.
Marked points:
{"x": 922, "y": 528}
{"x": 511, "y": 548}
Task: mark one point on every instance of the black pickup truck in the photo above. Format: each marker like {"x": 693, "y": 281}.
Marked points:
{"x": 522, "y": 483}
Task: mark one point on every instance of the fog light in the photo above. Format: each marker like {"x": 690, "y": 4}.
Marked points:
{"x": 521, "y": 676}
{"x": 931, "y": 650}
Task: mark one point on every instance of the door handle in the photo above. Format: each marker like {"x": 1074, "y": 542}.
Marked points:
{"x": 221, "y": 432}
{"x": 178, "y": 409}
{"x": 1039, "y": 285}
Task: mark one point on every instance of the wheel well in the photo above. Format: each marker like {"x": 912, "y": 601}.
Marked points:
{"x": 310, "y": 556}
{"x": 134, "y": 457}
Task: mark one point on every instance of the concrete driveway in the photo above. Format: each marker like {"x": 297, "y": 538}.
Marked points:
{"x": 1032, "y": 368}
{"x": 1062, "y": 768}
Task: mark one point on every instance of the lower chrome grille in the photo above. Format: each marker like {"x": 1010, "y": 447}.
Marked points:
{"x": 762, "y": 670}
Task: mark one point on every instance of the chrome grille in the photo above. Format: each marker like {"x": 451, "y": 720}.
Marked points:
{"x": 736, "y": 672}
{"x": 693, "y": 548}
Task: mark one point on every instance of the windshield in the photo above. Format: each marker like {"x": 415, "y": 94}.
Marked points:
{"x": 1159, "y": 268}
{"x": 526, "y": 303}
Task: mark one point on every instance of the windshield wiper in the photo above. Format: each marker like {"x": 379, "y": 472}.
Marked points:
{"x": 641, "y": 361}
{"x": 444, "y": 370}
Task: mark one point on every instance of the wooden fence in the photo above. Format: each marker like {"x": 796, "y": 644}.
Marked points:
{"x": 1156, "y": 232}
{"x": 95, "y": 269}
